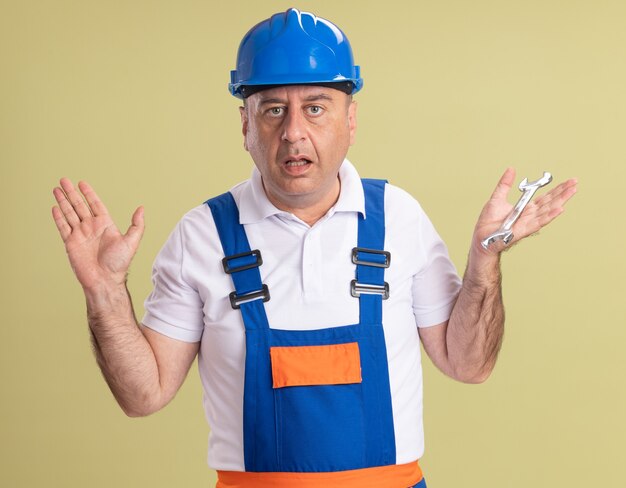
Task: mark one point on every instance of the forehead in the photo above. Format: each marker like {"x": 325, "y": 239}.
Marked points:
{"x": 297, "y": 94}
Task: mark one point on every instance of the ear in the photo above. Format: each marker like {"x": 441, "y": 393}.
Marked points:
{"x": 243, "y": 113}
{"x": 352, "y": 120}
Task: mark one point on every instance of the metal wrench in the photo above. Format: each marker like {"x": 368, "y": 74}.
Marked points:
{"x": 504, "y": 233}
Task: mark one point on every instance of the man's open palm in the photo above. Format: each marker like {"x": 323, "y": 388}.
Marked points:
{"x": 98, "y": 252}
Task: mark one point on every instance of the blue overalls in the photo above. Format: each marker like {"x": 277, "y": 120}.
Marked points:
{"x": 315, "y": 401}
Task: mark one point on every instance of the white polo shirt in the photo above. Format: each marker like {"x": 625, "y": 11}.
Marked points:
{"x": 308, "y": 271}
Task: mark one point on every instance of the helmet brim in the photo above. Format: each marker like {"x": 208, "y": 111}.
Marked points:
{"x": 345, "y": 86}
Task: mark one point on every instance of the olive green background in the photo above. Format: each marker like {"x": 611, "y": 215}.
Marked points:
{"x": 131, "y": 96}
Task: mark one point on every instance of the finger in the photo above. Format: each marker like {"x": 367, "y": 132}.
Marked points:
{"x": 75, "y": 199}
{"x": 64, "y": 229}
{"x": 504, "y": 185}
{"x": 539, "y": 222}
{"x": 543, "y": 211}
{"x": 96, "y": 205}
{"x": 135, "y": 231}
{"x": 560, "y": 195}
{"x": 66, "y": 207}
{"x": 552, "y": 203}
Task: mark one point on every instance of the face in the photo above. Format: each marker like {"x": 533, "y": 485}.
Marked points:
{"x": 298, "y": 136}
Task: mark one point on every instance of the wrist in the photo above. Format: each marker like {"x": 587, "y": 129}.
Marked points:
{"x": 107, "y": 297}
{"x": 483, "y": 266}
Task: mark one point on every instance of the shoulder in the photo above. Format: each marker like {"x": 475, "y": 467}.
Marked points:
{"x": 194, "y": 226}
{"x": 197, "y": 226}
{"x": 196, "y": 219}
{"x": 195, "y": 234}
{"x": 200, "y": 217}
{"x": 406, "y": 222}
{"x": 400, "y": 204}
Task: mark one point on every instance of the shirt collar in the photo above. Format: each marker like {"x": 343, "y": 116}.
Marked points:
{"x": 254, "y": 205}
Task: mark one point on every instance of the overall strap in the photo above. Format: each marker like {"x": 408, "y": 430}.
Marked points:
{"x": 370, "y": 257}
{"x": 240, "y": 262}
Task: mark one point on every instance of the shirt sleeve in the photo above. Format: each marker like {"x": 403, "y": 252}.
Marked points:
{"x": 436, "y": 285}
{"x": 174, "y": 307}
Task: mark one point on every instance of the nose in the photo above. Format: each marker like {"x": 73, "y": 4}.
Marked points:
{"x": 294, "y": 129}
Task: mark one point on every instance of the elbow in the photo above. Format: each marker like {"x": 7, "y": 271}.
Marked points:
{"x": 139, "y": 408}
{"x": 476, "y": 379}
{"x": 472, "y": 377}
{"x": 135, "y": 411}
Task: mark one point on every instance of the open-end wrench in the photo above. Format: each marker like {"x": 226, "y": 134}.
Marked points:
{"x": 504, "y": 233}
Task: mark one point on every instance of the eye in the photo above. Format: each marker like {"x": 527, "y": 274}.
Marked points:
{"x": 314, "y": 110}
{"x": 276, "y": 111}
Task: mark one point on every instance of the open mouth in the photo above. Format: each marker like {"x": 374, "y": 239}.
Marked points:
{"x": 297, "y": 162}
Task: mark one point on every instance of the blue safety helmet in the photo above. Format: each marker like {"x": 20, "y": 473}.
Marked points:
{"x": 294, "y": 48}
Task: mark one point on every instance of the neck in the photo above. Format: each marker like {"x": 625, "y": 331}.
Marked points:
{"x": 308, "y": 208}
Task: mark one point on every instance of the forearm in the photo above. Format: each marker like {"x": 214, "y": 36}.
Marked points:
{"x": 476, "y": 325}
{"x": 467, "y": 347}
{"x": 122, "y": 352}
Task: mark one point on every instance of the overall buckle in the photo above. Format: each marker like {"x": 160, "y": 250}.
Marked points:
{"x": 358, "y": 258}
{"x": 237, "y": 300}
{"x": 228, "y": 269}
{"x": 357, "y": 288}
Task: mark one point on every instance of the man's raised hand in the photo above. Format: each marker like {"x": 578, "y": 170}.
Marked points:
{"x": 99, "y": 253}
{"x": 537, "y": 214}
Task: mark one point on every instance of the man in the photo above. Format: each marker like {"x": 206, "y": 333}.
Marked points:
{"x": 304, "y": 290}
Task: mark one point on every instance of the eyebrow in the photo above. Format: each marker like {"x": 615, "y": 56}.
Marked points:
{"x": 310, "y": 98}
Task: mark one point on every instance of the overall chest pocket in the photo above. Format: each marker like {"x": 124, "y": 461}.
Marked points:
{"x": 319, "y": 407}
{"x": 332, "y": 364}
